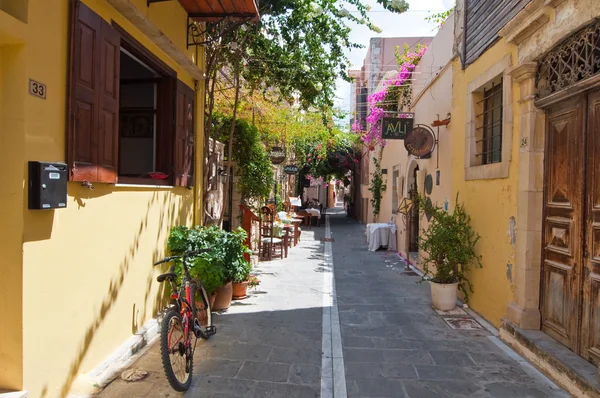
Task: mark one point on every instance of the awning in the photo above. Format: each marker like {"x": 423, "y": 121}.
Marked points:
{"x": 215, "y": 10}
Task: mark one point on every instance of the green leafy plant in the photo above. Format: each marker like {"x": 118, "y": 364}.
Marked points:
{"x": 377, "y": 186}
{"x": 211, "y": 276}
{"x": 254, "y": 167}
{"x": 241, "y": 271}
{"x": 440, "y": 17}
{"x": 218, "y": 265}
{"x": 449, "y": 243}
{"x": 253, "y": 281}
{"x": 234, "y": 249}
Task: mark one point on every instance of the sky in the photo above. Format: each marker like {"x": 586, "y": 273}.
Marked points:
{"x": 409, "y": 24}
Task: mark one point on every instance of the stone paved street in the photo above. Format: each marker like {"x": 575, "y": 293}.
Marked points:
{"x": 393, "y": 344}
{"x": 396, "y": 345}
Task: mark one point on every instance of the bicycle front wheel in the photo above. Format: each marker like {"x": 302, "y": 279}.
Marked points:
{"x": 202, "y": 303}
{"x": 176, "y": 357}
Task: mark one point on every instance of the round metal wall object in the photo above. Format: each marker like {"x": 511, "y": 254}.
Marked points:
{"x": 428, "y": 184}
{"x": 277, "y": 155}
{"x": 420, "y": 141}
{"x": 429, "y": 205}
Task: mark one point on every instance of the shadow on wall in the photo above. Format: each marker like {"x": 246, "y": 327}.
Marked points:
{"x": 17, "y": 8}
{"x": 170, "y": 215}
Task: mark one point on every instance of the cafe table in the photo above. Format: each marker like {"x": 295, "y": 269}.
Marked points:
{"x": 380, "y": 234}
{"x": 314, "y": 213}
{"x": 296, "y": 224}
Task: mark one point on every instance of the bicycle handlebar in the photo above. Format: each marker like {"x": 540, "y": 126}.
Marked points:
{"x": 185, "y": 255}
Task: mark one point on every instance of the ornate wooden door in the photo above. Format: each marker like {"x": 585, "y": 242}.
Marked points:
{"x": 590, "y": 325}
{"x": 562, "y": 224}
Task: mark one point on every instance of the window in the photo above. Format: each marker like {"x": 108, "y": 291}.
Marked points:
{"x": 137, "y": 117}
{"x": 489, "y": 123}
{"x": 130, "y": 119}
{"x": 490, "y": 143}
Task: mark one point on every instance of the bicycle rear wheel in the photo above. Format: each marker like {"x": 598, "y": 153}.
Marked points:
{"x": 202, "y": 303}
{"x": 176, "y": 357}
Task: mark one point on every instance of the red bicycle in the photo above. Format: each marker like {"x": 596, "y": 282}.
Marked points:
{"x": 191, "y": 316}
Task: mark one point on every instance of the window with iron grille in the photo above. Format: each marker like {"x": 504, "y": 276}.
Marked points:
{"x": 489, "y": 143}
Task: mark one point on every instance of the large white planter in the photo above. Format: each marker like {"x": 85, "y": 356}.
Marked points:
{"x": 443, "y": 296}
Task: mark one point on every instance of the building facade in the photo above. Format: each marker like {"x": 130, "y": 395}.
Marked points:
{"x": 430, "y": 177}
{"x": 111, "y": 89}
{"x": 485, "y": 152}
{"x": 533, "y": 193}
{"x": 379, "y": 62}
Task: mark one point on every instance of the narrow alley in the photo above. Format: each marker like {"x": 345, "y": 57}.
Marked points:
{"x": 379, "y": 338}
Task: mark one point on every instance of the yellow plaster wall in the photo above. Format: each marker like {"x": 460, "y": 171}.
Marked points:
{"x": 77, "y": 282}
{"x": 11, "y": 221}
{"x": 490, "y": 203}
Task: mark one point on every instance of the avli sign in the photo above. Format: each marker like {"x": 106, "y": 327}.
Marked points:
{"x": 291, "y": 169}
{"x": 420, "y": 141}
{"x": 395, "y": 128}
{"x": 277, "y": 155}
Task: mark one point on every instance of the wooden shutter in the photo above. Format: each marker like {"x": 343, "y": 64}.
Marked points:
{"x": 184, "y": 136}
{"x": 93, "y": 140}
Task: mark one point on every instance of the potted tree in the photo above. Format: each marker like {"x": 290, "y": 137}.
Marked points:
{"x": 449, "y": 244}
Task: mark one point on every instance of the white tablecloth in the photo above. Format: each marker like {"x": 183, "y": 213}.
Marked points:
{"x": 380, "y": 234}
{"x": 314, "y": 212}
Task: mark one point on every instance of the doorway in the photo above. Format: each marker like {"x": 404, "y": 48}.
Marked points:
{"x": 570, "y": 278}
{"x": 412, "y": 227}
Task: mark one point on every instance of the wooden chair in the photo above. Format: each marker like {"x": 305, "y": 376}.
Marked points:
{"x": 268, "y": 242}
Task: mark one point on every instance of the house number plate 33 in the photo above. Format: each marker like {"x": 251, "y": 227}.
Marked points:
{"x": 37, "y": 89}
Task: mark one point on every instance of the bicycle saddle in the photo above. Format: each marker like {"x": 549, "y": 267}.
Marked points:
{"x": 168, "y": 275}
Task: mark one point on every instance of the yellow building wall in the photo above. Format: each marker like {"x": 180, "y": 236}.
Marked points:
{"x": 490, "y": 203}
{"x": 12, "y": 56}
{"x": 76, "y": 282}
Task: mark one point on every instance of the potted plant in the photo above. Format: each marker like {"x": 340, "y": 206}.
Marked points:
{"x": 449, "y": 244}
{"x": 232, "y": 250}
{"x": 240, "y": 279}
{"x": 211, "y": 276}
{"x": 208, "y": 267}
{"x": 253, "y": 281}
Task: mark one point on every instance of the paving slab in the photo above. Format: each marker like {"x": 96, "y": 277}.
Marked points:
{"x": 268, "y": 345}
{"x": 334, "y": 320}
{"x": 396, "y": 345}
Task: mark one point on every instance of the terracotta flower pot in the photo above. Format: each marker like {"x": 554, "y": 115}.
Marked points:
{"x": 240, "y": 290}
{"x": 223, "y": 299}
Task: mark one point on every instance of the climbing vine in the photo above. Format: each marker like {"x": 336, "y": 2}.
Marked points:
{"x": 253, "y": 164}
{"x": 377, "y": 186}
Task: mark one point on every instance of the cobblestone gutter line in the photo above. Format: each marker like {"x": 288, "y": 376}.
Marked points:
{"x": 333, "y": 378}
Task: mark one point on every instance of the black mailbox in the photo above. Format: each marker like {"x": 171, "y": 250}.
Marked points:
{"x": 47, "y": 185}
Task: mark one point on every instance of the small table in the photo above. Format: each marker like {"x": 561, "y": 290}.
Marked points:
{"x": 314, "y": 213}
{"x": 380, "y": 234}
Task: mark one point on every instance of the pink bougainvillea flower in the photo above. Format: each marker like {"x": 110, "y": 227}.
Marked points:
{"x": 377, "y": 101}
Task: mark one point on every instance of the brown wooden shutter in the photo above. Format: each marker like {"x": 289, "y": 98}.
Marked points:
{"x": 93, "y": 139}
{"x": 184, "y": 135}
